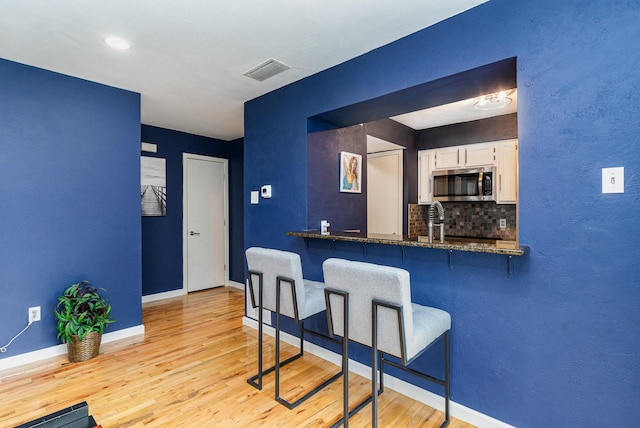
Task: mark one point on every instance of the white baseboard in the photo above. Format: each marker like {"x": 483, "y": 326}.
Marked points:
{"x": 54, "y": 351}
{"x": 125, "y": 333}
{"x": 165, "y": 295}
{"x": 234, "y": 284}
{"x": 457, "y": 410}
{"x": 182, "y": 292}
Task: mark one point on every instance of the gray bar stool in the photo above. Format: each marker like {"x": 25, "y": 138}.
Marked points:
{"x": 299, "y": 299}
{"x": 371, "y": 304}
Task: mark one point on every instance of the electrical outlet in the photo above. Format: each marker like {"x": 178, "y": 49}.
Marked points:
{"x": 503, "y": 223}
{"x": 34, "y": 314}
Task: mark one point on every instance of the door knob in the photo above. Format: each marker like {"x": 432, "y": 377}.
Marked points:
{"x": 192, "y": 233}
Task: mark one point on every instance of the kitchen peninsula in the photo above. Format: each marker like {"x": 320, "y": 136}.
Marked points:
{"x": 450, "y": 244}
{"x": 477, "y": 245}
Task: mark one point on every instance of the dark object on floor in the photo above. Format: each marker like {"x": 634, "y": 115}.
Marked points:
{"x": 76, "y": 416}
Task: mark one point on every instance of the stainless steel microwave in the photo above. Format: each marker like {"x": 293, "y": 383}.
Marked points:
{"x": 464, "y": 184}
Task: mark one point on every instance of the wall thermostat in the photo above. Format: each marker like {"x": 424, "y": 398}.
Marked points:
{"x": 265, "y": 191}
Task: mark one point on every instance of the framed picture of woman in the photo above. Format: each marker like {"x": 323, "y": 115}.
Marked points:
{"x": 350, "y": 172}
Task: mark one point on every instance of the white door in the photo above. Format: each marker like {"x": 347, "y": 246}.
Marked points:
{"x": 205, "y": 230}
{"x": 384, "y": 192}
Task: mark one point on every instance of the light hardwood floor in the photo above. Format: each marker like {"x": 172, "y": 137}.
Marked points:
{"x": 190, "y": 370}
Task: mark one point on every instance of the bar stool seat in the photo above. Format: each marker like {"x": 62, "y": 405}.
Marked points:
{"x": 428, "y": 325}
{"x": 276, "y": 284}
{"x": 371, "y": 304}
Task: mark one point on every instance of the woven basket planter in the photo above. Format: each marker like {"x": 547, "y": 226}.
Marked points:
{"x": 86, "y": 349}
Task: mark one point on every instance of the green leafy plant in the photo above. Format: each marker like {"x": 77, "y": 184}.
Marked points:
{"x": 81, "y": 310}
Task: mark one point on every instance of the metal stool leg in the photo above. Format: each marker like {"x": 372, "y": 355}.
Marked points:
{"x": 256, "y": 380}
{"x": 288, "y": 404}
{"x": 446, "y": 381}
{"x": 345, "y": 363}
{"x": 374, "y": 366}
{"x": 346, "y": 414}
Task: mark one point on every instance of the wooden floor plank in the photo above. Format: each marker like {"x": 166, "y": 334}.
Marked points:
{"x": 190, "y": 370}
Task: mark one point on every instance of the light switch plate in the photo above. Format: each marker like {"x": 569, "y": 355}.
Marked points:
{"x": 255, "y": 197}
{"x": 613, "y": 180}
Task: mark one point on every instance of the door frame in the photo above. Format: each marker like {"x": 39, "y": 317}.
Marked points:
{"x": 399, "y": 153}
{"x": 185, "y": 216}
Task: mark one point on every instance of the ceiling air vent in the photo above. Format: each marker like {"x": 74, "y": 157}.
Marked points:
{"x": 267, "y": 69}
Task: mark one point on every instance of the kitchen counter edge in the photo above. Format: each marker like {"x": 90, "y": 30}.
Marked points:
{"x": 497, "y": 248}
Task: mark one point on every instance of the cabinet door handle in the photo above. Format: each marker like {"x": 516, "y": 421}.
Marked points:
{"x": 192, "y": 233}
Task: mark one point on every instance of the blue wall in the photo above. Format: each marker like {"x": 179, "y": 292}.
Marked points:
{"x": 69, "y": 198}
{"x": 346, "y": 211}
{"x": 343, "y": 210}
{"x": 162, "y": 236}
{"x": 556, "y": 342}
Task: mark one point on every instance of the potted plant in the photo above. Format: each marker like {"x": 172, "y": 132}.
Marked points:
{"x": 82, "y": 315}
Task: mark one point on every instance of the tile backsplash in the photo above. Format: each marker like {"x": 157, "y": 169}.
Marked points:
{"x": 473, "y": 219}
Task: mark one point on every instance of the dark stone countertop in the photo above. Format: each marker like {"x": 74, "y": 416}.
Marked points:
{"x": 476, "y": 245}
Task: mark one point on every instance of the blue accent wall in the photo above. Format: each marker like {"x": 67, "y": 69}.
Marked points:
{"x": 343, "y": 210}
{"x": 555, "y": 343}
{"x": 348, "y": 211}
{"x": 162, "y": 236}
{"x": 69, "y": 198}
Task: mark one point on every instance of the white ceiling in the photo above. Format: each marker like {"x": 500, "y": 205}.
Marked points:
{"x": 187, "y": 57}
{"x": 375, "y": 145}
{"x": 458, "y": 112}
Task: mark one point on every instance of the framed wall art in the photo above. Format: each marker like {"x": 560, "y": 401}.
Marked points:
{"x": 350, "y": 172}
{"x": 153, "y": 186}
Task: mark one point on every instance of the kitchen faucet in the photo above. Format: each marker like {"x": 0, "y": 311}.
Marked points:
{"x": 433, "y": 206}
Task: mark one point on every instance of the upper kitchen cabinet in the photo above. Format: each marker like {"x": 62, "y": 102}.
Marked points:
{"x": 507, "y": 171}
{"x": 447, "y": 158}
{"x": 482, "y": 154}
{"x": 469, "y": 156}
{"x": 503, "y": 155}
{"x": 425, "y": 186}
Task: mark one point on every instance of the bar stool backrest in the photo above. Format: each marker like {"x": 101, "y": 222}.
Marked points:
{"x": 365, "y": 282}
{"x": 272, "y": 264}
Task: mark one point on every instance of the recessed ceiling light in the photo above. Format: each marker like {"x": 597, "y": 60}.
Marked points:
{"x": 493, "y": 101}
{"x": 117, "y": 42}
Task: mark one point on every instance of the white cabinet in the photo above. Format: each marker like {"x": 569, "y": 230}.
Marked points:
{"x": 481, "y": 154}
{"x": 446, "y": 158}
{"x": 425, "y": 166}
{"x": 507, "y": 171}
{"x": 468, "y": 156}
{"x": 501, "y": 154}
